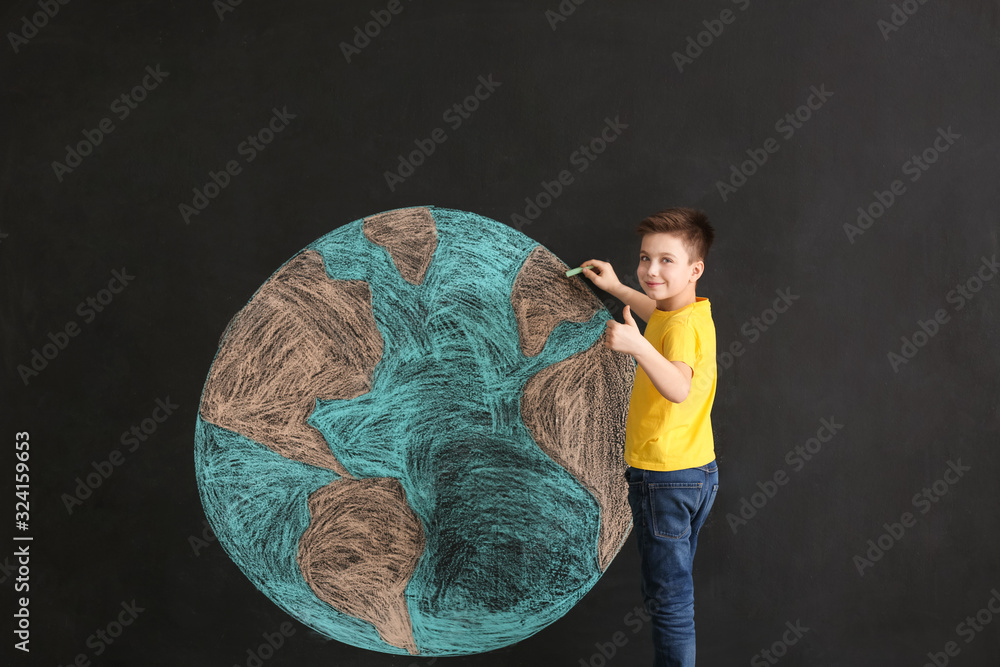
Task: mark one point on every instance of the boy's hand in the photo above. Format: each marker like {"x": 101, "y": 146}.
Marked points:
{"x": 603, "y": 276}
{"x": 624, "y": 337}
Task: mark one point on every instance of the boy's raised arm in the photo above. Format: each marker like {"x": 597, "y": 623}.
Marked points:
{"x": 642, "y": 305}
{"x": 604, "y": 277}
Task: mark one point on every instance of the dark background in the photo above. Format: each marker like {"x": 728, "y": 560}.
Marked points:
{"x": 826, "y": 357}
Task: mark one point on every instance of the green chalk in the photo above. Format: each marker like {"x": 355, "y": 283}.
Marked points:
{"x": 579, "y": 269}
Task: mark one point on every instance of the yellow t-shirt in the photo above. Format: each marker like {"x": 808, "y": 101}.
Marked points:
{"x": 660, "y": 435}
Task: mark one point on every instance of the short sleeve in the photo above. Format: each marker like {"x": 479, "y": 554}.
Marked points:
{"x": 680, "y": 343}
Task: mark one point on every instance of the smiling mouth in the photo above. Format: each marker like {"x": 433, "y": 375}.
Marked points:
{"x": 654, "y": 284}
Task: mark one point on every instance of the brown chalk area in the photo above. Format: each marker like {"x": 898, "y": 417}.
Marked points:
{"x": 542, "y": 297}
{"x": 576, "y": 411}
{"x": 303, "y": 336}
{"x": 361, "y": 549}
{"x": 410, "y": 237}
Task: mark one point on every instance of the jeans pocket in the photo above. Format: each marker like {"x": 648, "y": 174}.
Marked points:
{"x": 674, "y": 505}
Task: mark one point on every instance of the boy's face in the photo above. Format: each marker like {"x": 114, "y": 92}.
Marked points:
{"x": 664, "y": 269}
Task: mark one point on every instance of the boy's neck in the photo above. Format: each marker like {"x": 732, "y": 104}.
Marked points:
{"x": 677, "y": 301}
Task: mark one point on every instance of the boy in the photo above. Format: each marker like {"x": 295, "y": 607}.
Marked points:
{"x": 672, "y": 474}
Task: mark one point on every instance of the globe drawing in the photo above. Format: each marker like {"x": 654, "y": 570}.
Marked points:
{"x": 410, "y": 438}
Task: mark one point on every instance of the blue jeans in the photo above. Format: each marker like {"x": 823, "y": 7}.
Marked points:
{"x": 668, "y": 510}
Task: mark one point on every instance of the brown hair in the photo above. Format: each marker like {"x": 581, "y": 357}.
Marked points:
{"x": 690, "y": 224}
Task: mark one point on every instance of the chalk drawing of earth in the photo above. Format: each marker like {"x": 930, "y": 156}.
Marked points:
{"x": 411, "y": 436}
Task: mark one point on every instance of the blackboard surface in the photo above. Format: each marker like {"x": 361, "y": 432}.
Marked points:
{"x": 846, "y": 154}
